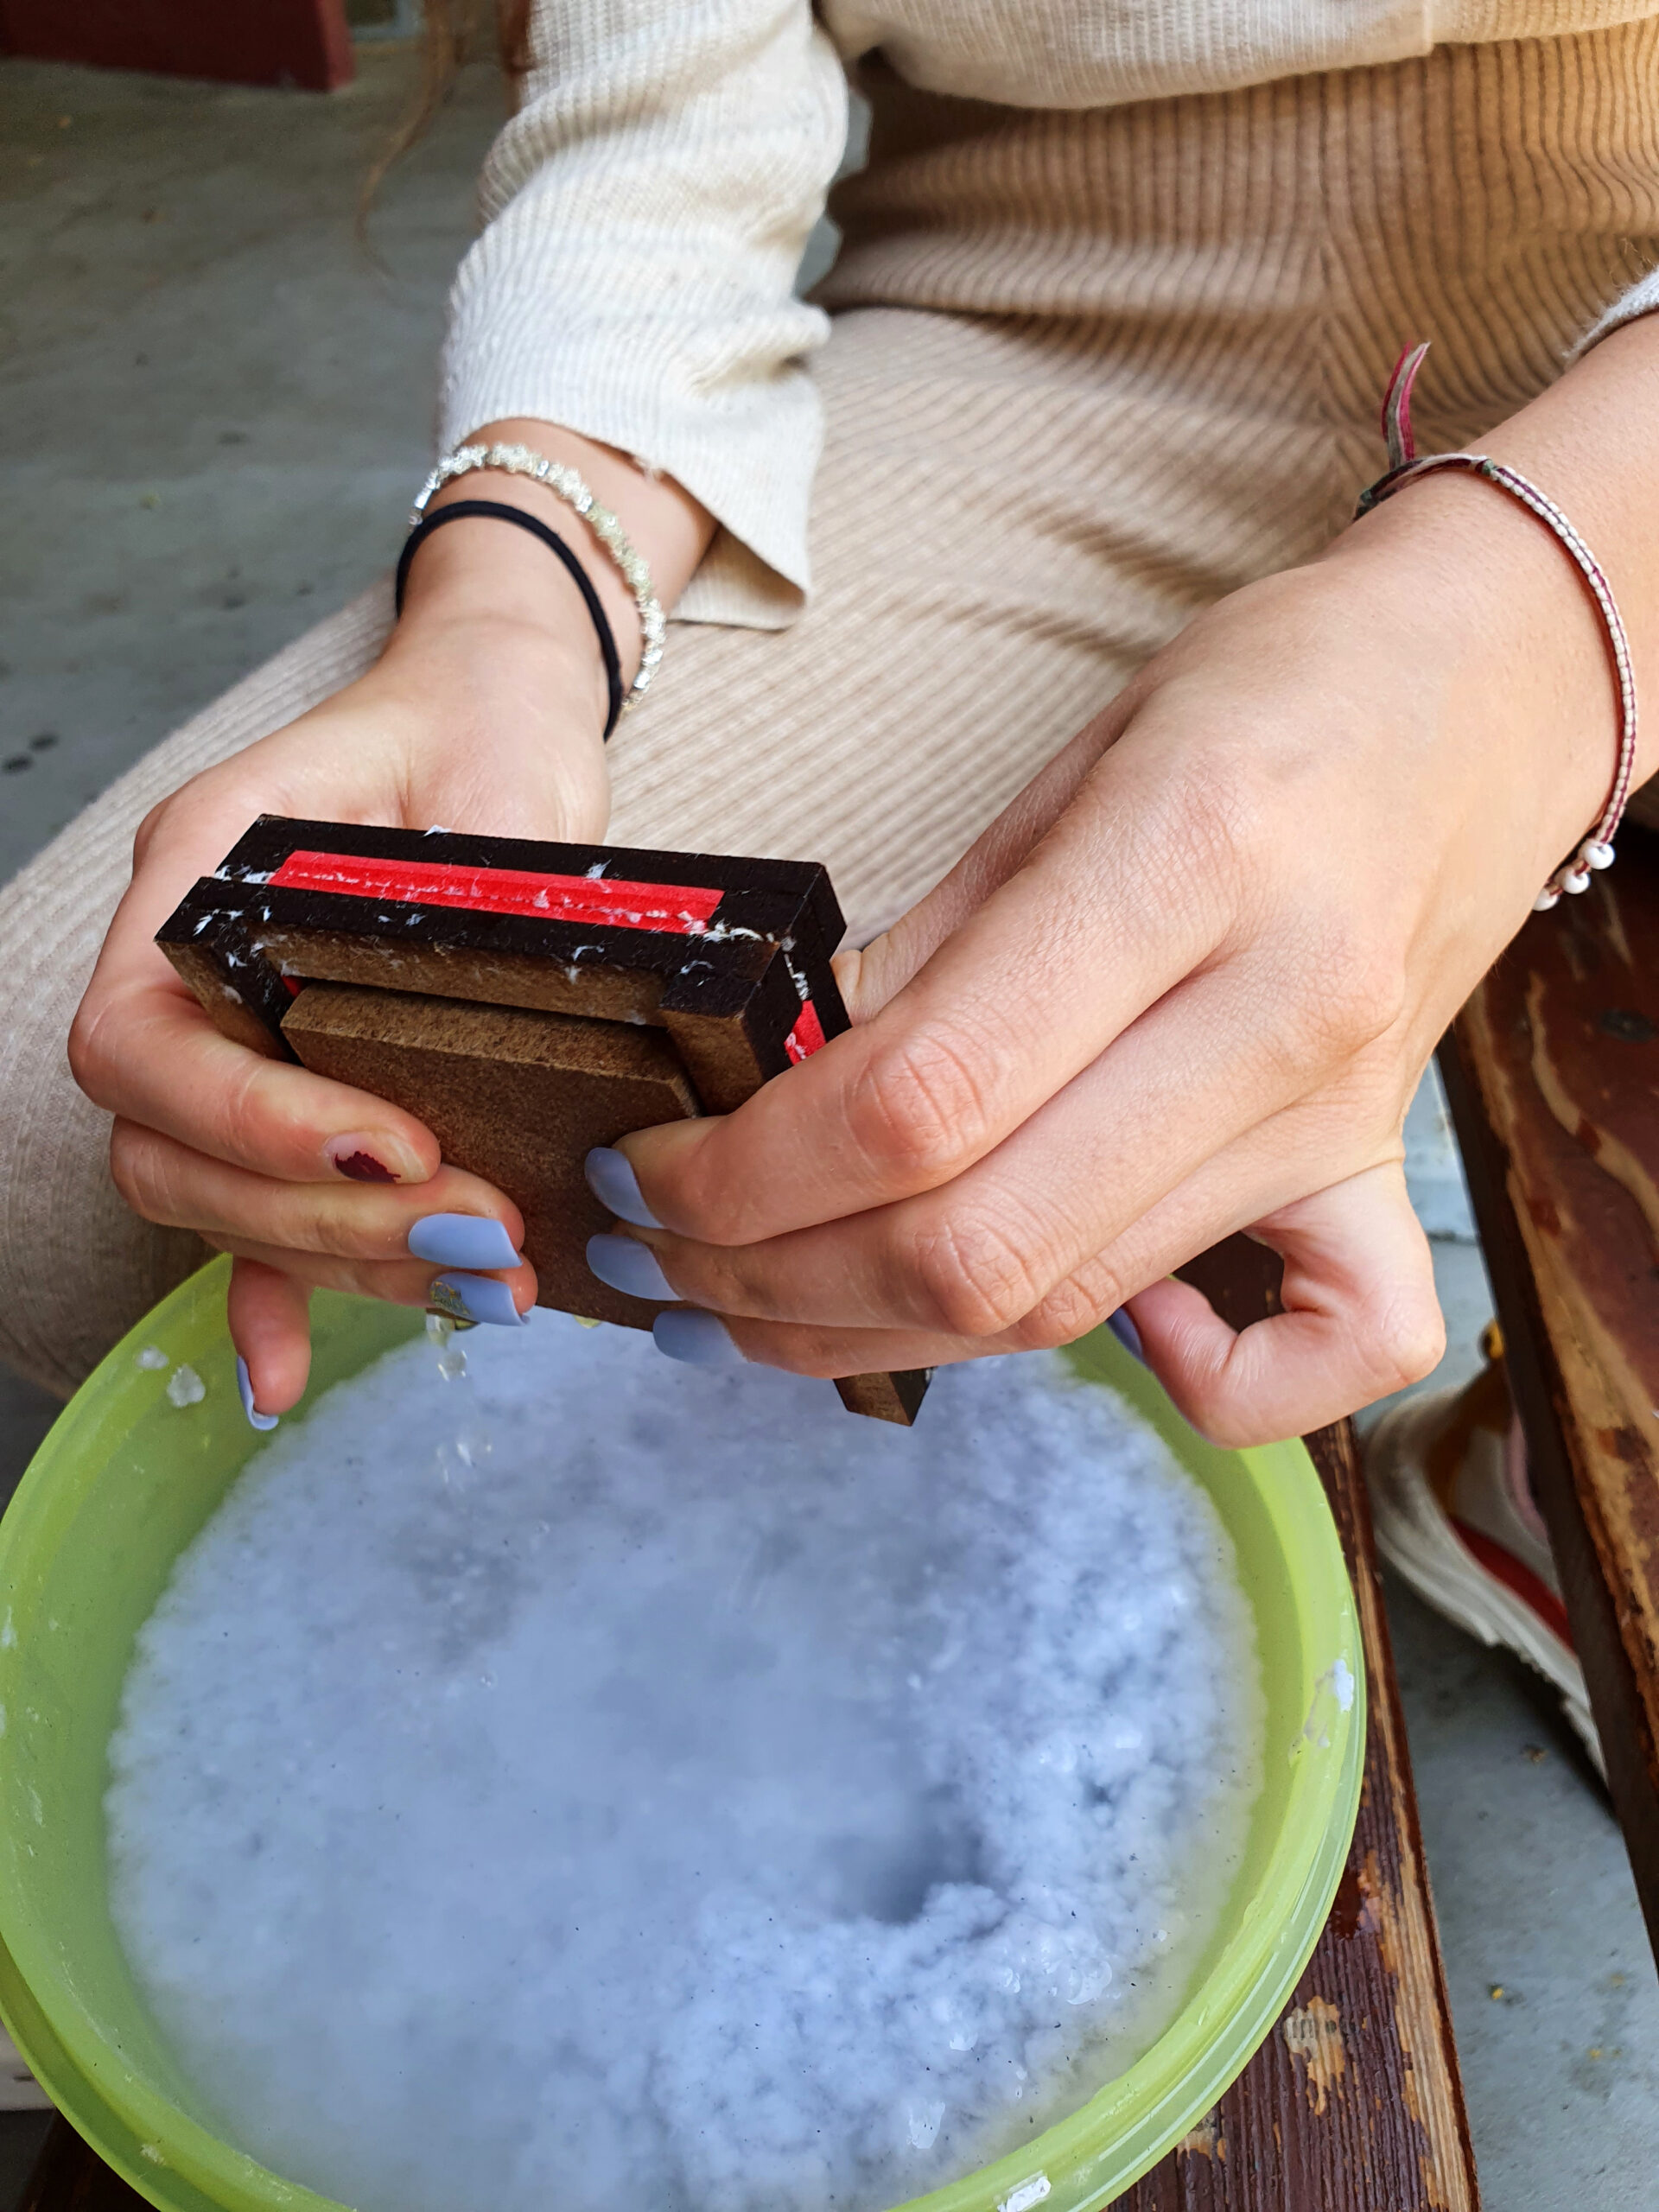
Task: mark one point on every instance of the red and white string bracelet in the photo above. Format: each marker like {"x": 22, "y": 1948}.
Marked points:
{"x": 1405, "y": 467}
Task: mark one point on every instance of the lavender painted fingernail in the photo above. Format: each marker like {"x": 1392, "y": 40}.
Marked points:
{"x": 462, "y": 1240}
{"x": 700, "y": 1339}
{"x": 626, "y": 1264}
{"x": 475, "y": 1297}
{"x": 614, "y": 1184}
{"x": 244, "y": 1385}
{"x": 1125, "y": 1332}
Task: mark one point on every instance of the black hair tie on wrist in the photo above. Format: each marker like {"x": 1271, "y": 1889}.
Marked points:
{"x": 555, "y": 544}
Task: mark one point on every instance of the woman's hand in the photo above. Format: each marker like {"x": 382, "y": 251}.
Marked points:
{"x": 492, "y": 731}
{"x": 485, "y": 713}
{"x": 1185, "y": 985}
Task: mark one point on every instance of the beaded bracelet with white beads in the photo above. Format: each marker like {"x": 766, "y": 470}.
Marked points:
{"x": 566, "y": 484}
{"x": 1596, "y": 850}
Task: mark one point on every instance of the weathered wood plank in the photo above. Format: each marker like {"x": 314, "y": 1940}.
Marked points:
{"x": 1354, "y": 2103}
{"x": 1553, "y": 1073}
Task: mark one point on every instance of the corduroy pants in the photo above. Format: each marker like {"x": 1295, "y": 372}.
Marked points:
{"x": 1088, "y": 372}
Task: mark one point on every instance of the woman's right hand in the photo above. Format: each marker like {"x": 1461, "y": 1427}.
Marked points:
{"x": 485, "y": 714}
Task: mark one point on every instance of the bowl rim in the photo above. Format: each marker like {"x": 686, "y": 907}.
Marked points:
{"x": 1090, "y": 2156}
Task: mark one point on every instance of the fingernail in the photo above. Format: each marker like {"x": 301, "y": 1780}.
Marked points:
{"x": 362, "y": 1159}
{"x": 475, "y": 1297}
{"x": 700, "y": 1339}
{"x": 614, "y": 1184}
{"x": 626, "y": 1264}
{"x": 1125, "y": 1332}
{"x": 462, "y": 1240}
{"x": 244, "y": 1385}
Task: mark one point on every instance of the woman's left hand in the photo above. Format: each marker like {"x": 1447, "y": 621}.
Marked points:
{"x": 1184, "y": 985}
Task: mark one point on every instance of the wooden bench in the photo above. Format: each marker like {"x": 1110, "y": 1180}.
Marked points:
{"x": 1353, "y": 2103}
{"x": 1552, "y": 1074}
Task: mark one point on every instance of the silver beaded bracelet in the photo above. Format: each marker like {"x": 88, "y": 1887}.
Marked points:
{"x": 565, "y": 484}
{"x": 1595, "y": 851}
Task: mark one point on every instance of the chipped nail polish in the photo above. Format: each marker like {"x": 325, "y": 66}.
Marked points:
{"x": 614, "y": 1184}
{"x": 245, "y": 1387}
{"x": 462, "y": 1240}
{"x": 475, "y": 1297}
{"x": 699, "y": 1338}
{"x": 625, "y": 1264}
{"x": 352, "y": 1156}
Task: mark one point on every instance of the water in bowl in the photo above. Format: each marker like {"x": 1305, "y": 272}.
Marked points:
{"x": 563, "y": 1777}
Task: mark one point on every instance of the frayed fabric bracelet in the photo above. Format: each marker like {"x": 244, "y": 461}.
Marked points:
{"x": 1596, "y": 850}
{"x": 564, "y": 483}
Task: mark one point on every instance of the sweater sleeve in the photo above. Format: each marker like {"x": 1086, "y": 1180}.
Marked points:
{"x": 1642, "y": 298}
{"x": 644, "y": 214}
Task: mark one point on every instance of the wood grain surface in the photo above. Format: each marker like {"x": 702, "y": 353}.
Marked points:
{"x": 516, "y": 1096}
{"x": 1553, "y": 1072}
{"x": 1353, "y": 2103}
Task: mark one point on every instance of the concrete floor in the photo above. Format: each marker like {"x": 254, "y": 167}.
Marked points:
{"x": 217, "y": 404}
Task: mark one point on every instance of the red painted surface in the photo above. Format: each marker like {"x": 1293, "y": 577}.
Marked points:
{"x": 807, "y": 1035}
{"x": 300, "y": 42}
{"x": 595, "y": 901}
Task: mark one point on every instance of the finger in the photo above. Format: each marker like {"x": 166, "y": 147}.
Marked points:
{"x": 1034, "y": 984}
{"x": 269, "y": 1318}
{"x": 1253, "y": 1179}
{"x": 147, "y": 1052}
{"x": 1360, "y": 1319}
{"x": 973, "y": 1258}
{"x": 399, "y": 1282}
{"x": 1268, "y": 1168}
{"x": 142, "y": 1047}
{"x": 705, "y": 1338}
{"x": 165, "y": 1181}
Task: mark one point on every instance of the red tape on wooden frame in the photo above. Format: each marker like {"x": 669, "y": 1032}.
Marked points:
{"x": 673, "y": 909}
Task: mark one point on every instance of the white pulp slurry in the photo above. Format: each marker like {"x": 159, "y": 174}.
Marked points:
{"x": 595, "y": 1780}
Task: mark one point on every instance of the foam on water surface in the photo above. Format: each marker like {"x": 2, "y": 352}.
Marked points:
{"x": 589, "y": 1779}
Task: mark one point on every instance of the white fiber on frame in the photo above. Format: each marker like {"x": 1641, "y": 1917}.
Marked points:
{"x": 594, "y": 1779}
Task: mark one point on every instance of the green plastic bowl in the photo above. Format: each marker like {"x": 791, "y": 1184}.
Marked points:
{"x": 124, "y": 1481}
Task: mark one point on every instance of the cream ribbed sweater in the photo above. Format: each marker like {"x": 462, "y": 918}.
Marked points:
{"x": 647, "y": 208}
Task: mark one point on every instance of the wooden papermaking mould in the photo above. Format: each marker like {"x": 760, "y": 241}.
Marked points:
{"x": 527, "y": 1001}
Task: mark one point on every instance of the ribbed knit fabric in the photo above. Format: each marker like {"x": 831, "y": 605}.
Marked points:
{"x": 1087, "y": 373}
{"x": 646, "y": 208}
{"x": 76, "y": 1267}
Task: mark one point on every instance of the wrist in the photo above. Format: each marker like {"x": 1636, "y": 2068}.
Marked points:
{"x": 486, "y": 594}
{"x": 1587, "y": 442}
{"x": 666, "y": 529}
{"x": 485, "y": 564}
{"x": 1496, "y": 619}
{"x": 486, "y": 684}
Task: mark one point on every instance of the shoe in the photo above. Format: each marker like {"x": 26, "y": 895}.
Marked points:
{"x": 1455, "y": 1515}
